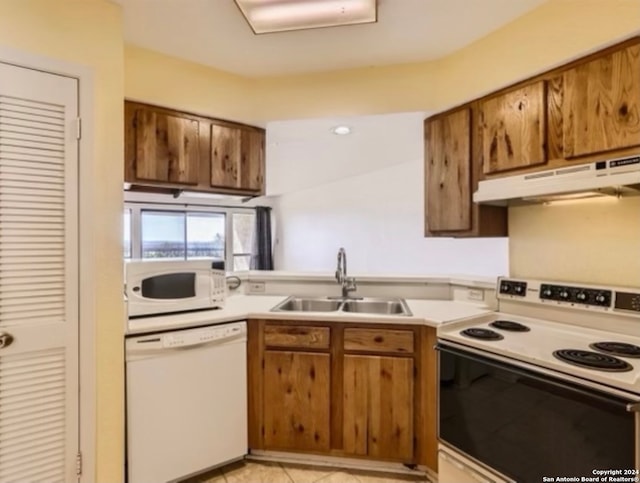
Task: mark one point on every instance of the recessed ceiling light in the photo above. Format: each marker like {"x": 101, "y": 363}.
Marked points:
{"x": 341, "y": 130}
{"x": 266, "y": 16}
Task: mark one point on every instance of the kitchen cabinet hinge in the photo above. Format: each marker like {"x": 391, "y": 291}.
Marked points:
{"x": 78, "y": 463}
{"x": 78, "y": 128}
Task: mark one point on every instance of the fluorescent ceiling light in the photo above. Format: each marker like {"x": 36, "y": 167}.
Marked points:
{"x": 266, "y": 16}
{"x": 341, "y": 130}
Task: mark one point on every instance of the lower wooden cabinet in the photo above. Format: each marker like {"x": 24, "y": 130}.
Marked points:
{"x": 343, "y": 389}
{"x": 378, "y": 407}
{"x": 296, "y": 400}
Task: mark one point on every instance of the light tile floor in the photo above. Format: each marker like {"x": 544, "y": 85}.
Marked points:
{"x": 266, "y": 472}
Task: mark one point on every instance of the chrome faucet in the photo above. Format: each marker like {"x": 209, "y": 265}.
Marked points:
{"x": 348, "y": 283}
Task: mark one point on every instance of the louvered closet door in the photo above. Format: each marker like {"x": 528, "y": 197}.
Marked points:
{"x": 38, "y": 276}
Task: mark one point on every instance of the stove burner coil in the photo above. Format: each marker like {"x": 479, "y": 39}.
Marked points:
{"x": 510, "y": 326}
{"x": 621, "y": 349}
{"x": 485, "y": 334}
{"x": 592, "y": 360}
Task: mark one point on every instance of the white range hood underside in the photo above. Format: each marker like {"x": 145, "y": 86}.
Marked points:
{"x": 617, "y": 177}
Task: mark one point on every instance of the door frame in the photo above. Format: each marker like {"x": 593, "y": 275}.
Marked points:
{"x": 86, "y": 300}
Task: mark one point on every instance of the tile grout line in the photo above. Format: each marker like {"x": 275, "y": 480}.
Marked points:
{"x": 286, "y": 473}
{"x": 224, "y": 476}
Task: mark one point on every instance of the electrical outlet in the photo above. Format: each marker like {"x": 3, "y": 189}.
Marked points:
{"x": 475, "y": 294}
{"x": 256, "y": 287}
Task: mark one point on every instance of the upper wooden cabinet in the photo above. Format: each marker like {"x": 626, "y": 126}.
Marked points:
{"x": 513, "y": 129}
{"x": 601, "y": 108}
{"x": 585, "y": 111}
{"x": 448, "y": 172}
{"x": 452, "y": 169}
{"x": 175, "y": 150}
{"x": 166, "y": 147}
{"x": 237, "y": 158}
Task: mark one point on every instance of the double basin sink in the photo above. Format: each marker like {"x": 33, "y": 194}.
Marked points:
{"x": 378, "y": 306}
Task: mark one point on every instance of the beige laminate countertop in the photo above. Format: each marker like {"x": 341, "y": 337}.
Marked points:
{"x": 241, "y": 307}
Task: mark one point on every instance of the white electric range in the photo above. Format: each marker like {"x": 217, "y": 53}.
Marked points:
{"x": 554, "y": 374}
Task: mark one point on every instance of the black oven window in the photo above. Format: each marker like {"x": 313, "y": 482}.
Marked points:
{"x": 170, "y": 286}
{"x": 528, "y": 427}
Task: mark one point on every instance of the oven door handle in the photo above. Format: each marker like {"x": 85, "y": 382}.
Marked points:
{"x": 550, "y": 380}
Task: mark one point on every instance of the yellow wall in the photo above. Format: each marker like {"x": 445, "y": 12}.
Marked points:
{"x": 589, "y": 241}
{"x": 550, "y": 35}
{"x": 544, "y": 38}
{"x": 167, "y": 81}
{"x": 89, "y": 32}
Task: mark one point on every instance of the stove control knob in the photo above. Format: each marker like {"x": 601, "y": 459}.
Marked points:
{"x": 600, "y": 298}
{"x": 564, "y": 294}
{"x": 518, "y": 289}
{"x": 581, "y": 296}
{"x": 505, "y": 288}
{"x": 547, "y": 292}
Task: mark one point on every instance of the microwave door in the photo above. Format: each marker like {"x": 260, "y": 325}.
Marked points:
{"x": 174, "y": 286}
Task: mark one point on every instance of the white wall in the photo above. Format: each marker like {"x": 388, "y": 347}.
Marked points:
{"x": 305, "y": 153}
{"x": 376, "y": 213}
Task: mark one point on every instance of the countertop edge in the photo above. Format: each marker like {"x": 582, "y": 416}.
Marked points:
{"x": 216, "y": 317}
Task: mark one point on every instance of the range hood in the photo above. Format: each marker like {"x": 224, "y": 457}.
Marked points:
{"x": 615, "y": 177}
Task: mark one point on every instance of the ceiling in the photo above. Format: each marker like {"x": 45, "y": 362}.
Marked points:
{"x": 214, "y": 33}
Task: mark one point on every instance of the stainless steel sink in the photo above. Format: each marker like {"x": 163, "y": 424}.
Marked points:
{"x": 381, "y": 306}
{"x": 377, "y": 306}
{"x": 303, "y": 304}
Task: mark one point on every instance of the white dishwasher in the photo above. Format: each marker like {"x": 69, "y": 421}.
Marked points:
{"x": 186, "y": 401}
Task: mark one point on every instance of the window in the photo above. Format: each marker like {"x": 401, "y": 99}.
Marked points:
{"x": 162, "y": 235}
{"x": 205, "y": 235}
{"x": 179, "y": 235}
{"x": 186, "y": 232}
{"x": 243, "y": 229}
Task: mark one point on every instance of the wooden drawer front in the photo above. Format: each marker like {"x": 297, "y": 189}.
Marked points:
{"x": 296, "y": 336}
{"x": 378, "y": 340}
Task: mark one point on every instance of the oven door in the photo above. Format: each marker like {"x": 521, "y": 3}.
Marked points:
{"x": 527, "y": 424}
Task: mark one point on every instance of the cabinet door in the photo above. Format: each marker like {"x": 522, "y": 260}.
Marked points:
{"x": 237, "y": 158}
{"x": 513, "y": 129}
{"x": 601, "y": 109}
{"x": 225, "y": 156}
{"x": 252, "y": 160}
{"x": 448, "y": 172}
{"x": 166, "y": 148}
{"x": 378, "y": 407}
{"x": 296, "y": 400}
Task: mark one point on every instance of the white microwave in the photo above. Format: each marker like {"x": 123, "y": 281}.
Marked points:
{"x": 164, "y": 287}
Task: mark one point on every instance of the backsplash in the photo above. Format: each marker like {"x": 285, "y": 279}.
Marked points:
{"x": 593, "y": 241}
